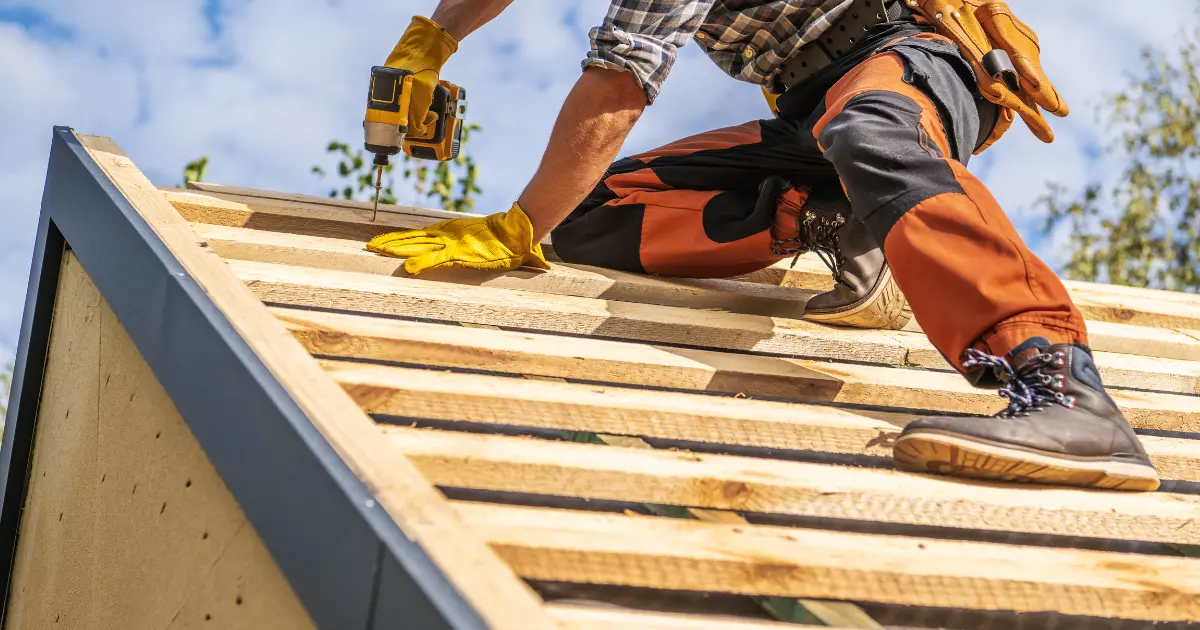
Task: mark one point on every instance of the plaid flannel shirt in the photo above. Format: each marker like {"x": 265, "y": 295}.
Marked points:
{"x": 748, "y": 39}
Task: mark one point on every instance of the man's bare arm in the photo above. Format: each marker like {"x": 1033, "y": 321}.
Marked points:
{"x": 594, "y": 121}
{"x": 462, "y": 17}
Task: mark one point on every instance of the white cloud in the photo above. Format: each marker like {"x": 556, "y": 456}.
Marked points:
{"x": 283, "y": 77}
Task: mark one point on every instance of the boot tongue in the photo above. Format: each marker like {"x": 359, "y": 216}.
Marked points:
{"x": 1028, "y": 349}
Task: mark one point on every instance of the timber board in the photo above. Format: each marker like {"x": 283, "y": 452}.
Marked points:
{"x": 1099, "y": 303}
{"x": 530, "y": 310}
{"x": 535, "y": 403}
{"x": 667, "y": 553}
{"x": 564, "y": 279}
{"x": 725, "y": 482}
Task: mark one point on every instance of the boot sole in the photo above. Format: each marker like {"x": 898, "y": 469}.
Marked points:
{"x": 884, "y": 308}
{"x": 942, "y": 453}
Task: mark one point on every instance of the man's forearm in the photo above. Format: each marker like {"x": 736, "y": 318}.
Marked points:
{"x": 594, "y": 121}
{"x": 461, "y": 17}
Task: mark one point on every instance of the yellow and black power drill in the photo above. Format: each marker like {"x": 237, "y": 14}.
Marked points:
{"x": 385, "y": 127}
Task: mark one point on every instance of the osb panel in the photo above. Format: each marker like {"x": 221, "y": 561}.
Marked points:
{"x": 127, "y": 524}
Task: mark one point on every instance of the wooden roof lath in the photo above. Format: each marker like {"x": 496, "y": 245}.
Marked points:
{"x": 686, "y": 453}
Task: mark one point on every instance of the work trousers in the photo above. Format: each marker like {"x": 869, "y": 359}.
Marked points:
{"x": 894, "y": 134}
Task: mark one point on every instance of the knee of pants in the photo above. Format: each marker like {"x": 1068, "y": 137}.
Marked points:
{"x": 889, "y": 157}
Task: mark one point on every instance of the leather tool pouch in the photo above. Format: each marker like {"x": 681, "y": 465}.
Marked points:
{"x": 1003, "y": 51}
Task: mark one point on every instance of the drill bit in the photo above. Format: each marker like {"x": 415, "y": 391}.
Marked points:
{"x": 378, "y": 185}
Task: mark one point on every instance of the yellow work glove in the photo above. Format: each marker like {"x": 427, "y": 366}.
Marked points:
{"x": 772, "y": 100}
{"x": 423, "y": 50}
{"x": 498, "y": 242}
{"x": 1021, "y": 43}
{"x": 978, "y": 27}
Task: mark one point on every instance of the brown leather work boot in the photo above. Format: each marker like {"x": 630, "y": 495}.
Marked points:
{"x": 1060, "y": 427}
{"x": 864, "y": 294}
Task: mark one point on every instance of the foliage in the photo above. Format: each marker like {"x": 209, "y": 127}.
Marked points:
{"x": 1144, "y": 229}
{"x": 358, "y": 175}
{"x": 194, "y": 171}
{"x": 5, "y": 384}
{"x": 453, "y": 184}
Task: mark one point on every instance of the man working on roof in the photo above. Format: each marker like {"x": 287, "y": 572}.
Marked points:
{"x": 880, "y": 105}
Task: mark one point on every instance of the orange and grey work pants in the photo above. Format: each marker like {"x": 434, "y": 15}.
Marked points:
{"x": 894, "y": 133}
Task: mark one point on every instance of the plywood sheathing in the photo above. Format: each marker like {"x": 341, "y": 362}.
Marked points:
{"x": 127, "y": 524}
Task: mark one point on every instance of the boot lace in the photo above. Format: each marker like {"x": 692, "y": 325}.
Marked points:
{"x": 815, "y": 233}
{"x": 1028, "y": 388}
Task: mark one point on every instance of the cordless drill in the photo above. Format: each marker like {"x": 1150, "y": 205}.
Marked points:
{"x": 386, "y": 124}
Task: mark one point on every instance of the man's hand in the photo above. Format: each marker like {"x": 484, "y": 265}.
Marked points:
{"x": 1021, "y": 43}
{"x": 499, "y": 242}
{"x": 423, "y": 50}
{"x": 979, "y": 26}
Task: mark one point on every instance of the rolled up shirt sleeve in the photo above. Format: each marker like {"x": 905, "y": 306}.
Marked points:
{"x": 643, "y": 37}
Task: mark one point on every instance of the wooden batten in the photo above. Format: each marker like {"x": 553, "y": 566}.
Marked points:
{"x": 576, "y": 617}
{"x": 369, "y": 293}
{"x": 756, "y": 560}
{"x": 586, "y": 471}
{"x": 564, "y": 279}
{"x": 316, "y": 216}
{"x": 123, "y": 502}
{"x": 538, "y": 404}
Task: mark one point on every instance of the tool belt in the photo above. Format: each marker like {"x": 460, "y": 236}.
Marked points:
{"x": 1002, "y": 50}
{"x": 841, "y": 37}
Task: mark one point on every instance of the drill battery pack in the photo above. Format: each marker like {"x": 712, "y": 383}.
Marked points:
{"x": 445, "y": 138}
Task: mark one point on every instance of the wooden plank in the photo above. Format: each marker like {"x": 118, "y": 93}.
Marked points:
{"x": 363, "y": 209}
{"x": 378, "y": 339}
{"x": 407, "y": 297}
{"x": 795, "y": 379}
{"x": 587, "y": 547}
{"x": 564, "y": 279}
{"x": 828, "y": 613}
{"x": 452, "y": 397}
{"x": 807, "y": 273}
{"x": 381, "y": 339}
{"x": 576, "y": 617}
{"x": 728, "y": 295}
{"x": 229, "y": 210}
{"x": 1098, "y": 302}
{"x": 726, "y": 482}
{"x": 1136, "y": 306}
{"x": 412, "y": 502}
{"x": 303, "y": 214}
{"x": 588, "y": 316}
{"x": 1105, "y": 339}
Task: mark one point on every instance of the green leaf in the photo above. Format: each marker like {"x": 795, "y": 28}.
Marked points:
{"x": 451, "y": 184}
{"x": 194, "y": 170}
{"x": 5, "y": 384}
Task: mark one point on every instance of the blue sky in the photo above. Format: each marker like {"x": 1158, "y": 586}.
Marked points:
{"x": 261, "y": 86}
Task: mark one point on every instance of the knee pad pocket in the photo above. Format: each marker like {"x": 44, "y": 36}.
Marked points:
{"x": 886, "y": 158}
